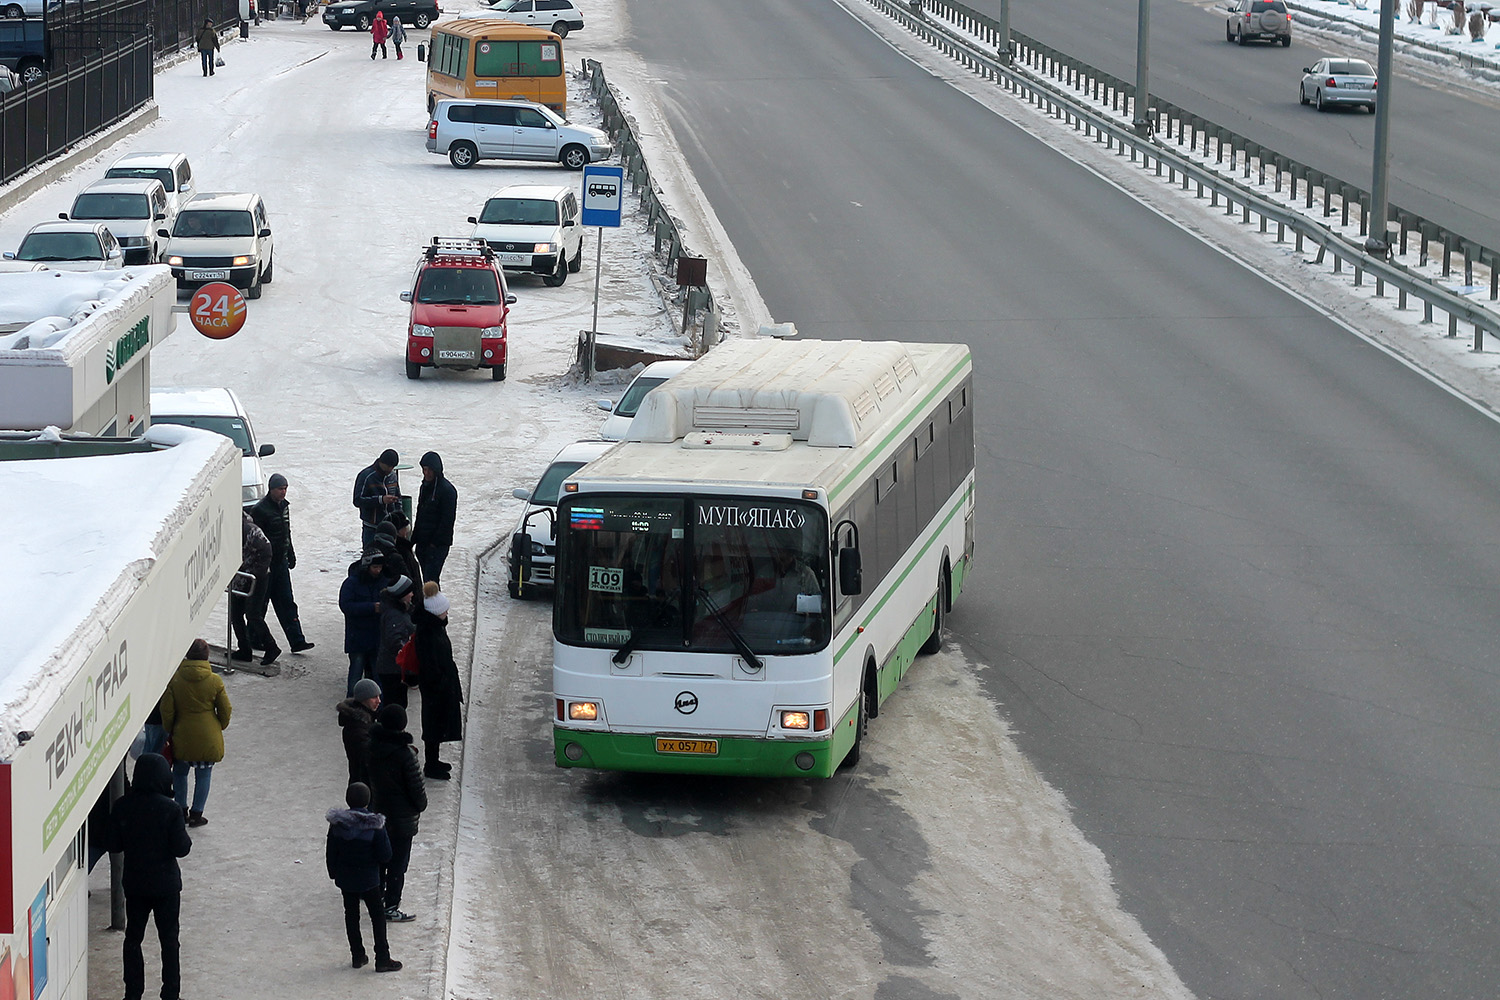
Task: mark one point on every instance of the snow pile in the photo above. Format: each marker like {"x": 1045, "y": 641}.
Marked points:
{"x": 42, "y": 309}
{"x": 84, "y": 552}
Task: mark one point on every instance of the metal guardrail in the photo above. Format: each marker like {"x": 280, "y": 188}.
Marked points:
{"x": 1061, "y": 100}
{"x": 1172, "y": 122}
{"x": 659, "y": 220}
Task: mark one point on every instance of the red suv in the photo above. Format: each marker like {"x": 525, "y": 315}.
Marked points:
{"x": 459, "y": 303}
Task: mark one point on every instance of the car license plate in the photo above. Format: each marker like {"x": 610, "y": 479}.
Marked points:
{"x": 513, "y": 258}
{"x": 455, "y": 355}
{"x": 220, "y": 275}
{"x": 709, "y": 747}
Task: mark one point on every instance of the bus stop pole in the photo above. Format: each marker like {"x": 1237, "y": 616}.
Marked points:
{"x": 588, "y": 361}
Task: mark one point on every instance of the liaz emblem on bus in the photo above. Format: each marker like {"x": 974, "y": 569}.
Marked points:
{"x": 607, "y": 579}
{"x": 751, "y": 517}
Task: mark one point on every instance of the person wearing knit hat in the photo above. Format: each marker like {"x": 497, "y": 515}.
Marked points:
{"x": 273, "y": 515}
{"x": 437, "y": 508}
{"x": 397, "y": 792}
{"x": 377, "y": 490}
{"x": 356, "y": 714}
{"x": 398, "y": 527}
{"x": 442, "y": 689}
{"x": 359, "y": 600}
{"x": 358, "y": 849}
{"x": 395, "y": 629}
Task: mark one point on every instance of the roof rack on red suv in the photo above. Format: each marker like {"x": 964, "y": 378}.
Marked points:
{"x": 458, "y": 246}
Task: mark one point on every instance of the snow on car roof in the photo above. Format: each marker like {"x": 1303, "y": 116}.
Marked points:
{"x": 197, "y": 401}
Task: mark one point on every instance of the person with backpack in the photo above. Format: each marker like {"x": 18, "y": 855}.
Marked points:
{"x": 358, "y": 848}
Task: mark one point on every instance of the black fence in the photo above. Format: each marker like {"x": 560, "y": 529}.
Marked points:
{"x": 98, "y": 56}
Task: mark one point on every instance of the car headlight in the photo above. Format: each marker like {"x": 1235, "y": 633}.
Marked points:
{"x": 492, "y": 331}
{"x": 250, "y": 494}
{"x": 419, "y": 330}
{"x": 175, "y": 261}
{"x": 241, "y": 261}
{"x": 538, "y": 549}
{"x": 131, "y": 241}
{"x": 542, "y": 248}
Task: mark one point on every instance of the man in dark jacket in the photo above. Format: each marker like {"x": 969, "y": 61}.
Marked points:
{"x": 247, "y": 615}
{"x": 357, "y": 848}
{"x": 395, "y": 629}
{"x": 147, "y": 826}
{"x": 359, "y": 600}
{"x": 396, "y": 791}
{"x": 377, "y": 491}
{"x": 442, "y": 690}
{"x": 273, "y": 515}
{"x": 356, "y": 715}
{"x": 437, "y": 506}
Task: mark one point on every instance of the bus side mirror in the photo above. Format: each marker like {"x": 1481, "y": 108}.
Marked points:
{"x": 851, "y": 577}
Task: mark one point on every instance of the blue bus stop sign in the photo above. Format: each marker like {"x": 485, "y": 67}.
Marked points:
{"x": 603, "y": 193}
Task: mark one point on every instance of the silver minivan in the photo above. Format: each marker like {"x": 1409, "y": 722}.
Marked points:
{"x": 467, "y": 130}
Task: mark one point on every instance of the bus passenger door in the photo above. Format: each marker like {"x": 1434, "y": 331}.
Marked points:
{"x": 494, "y": 130}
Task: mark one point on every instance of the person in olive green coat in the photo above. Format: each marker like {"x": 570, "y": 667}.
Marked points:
{"x": 195, "y": 711}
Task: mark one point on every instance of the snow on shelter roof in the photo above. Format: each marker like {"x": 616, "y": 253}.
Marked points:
{"x": 831, "y": 394}
{"x": 89, "y": 530}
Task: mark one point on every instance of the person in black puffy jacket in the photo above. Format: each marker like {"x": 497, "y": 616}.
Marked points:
{"x": 149, "y": 828}
{"x": 356, "y": 715}
{"x": 397, "y": 792}
{"x": 357, "y": 848}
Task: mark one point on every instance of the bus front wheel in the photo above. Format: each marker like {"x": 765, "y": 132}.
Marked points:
{"x": 861, "y": 726}
{"x": 934, "y": 643}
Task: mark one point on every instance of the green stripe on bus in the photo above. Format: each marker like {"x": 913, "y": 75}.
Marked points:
{"x": 900, "y": 429}
{"x": 740, "y": 756}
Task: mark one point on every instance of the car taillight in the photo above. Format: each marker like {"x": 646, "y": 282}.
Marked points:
{"x": 1331, "y": 82}
{"x": 432, "y": 129}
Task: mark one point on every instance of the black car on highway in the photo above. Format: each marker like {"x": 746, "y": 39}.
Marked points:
{"x": 360, "y": 14}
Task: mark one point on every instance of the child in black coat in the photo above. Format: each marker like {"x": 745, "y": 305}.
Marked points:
{"x": 357, "y": 848}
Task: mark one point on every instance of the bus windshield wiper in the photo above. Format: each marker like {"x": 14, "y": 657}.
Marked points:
{"x": 623, "y": 653}
{"x": 734, "y": 634}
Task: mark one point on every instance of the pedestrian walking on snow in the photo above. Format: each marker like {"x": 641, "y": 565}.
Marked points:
{"x": 437, "y": 508}
{"x": 358, "y": 847}
{"x": 195, "y": 712}
{"x": 379, "y": 31}
{"x": 356, "y": 715}
{"x": 377, "y": 491}
{"x": 273, "y": 515}
{"x": 146, "y": 826}
{"x": 247, "y": 614}
{"x": 397, "y": 792}
{"x": 442, "y": 690}
{"x": 359, "y": 600}
{"x": 398, "y": 35}
{"x": 208, "y": 45}
{"x": 395, "y": 629}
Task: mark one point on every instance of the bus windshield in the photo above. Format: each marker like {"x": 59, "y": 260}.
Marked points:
{"x": 700, "y": 573}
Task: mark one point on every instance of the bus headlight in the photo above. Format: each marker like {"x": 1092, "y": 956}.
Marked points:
{"x": 796, "y": 720}
{"x": 583, "y": 711}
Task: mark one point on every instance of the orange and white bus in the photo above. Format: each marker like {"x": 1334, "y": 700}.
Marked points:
{"x": 485, "y": 57}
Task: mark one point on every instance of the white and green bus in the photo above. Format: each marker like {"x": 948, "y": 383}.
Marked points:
{"x": 744, "y": 581}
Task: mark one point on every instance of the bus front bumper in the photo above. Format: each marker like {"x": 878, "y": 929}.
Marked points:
{"x": 638, "y": 752}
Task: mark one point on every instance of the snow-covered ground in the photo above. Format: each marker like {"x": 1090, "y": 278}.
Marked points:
{"x": 334, "y": 143}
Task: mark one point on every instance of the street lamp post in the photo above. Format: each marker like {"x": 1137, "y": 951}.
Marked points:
{"x": 1376, "y": 236}
{"x": 1142, "y": 70}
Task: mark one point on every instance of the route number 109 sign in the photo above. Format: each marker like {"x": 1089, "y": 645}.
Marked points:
{"x": 217, "y": 310}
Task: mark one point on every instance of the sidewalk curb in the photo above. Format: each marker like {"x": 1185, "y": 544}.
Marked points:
{"x": 52, "y": 169}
